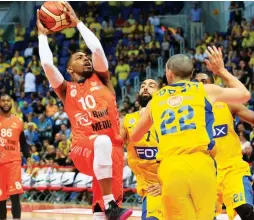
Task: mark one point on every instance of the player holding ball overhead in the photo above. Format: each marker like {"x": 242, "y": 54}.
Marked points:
{"x": 90, "y": 104}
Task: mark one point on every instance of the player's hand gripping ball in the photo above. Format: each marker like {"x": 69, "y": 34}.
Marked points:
{"x": 52, "y": 15}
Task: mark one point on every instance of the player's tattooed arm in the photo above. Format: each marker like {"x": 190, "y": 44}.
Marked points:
{"x": 52, "y": 73}
{"x": 23, "y": 145}
{"x": 143, "y": 125}
{"x": 242, "y": 112}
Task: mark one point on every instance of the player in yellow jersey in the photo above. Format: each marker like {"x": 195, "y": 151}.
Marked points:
{"x": 182, "y": 117}
{"x": 141, "y": 156}
{"x": 234, "y": 177}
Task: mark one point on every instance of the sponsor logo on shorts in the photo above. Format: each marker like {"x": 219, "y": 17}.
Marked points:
{"x": 220, "y": 131}
{"x": 146, "y": 153}
{"x": 1, "y": 192}
{"x": 175, "y": 101}
{"x": 94, "y": 83}
{"x": 81, "y": 151}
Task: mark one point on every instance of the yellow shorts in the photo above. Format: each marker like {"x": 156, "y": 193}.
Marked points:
{"x": 151, "y": 208}
{"x": 234, "y": 188}
{"x": 188, "y": 187}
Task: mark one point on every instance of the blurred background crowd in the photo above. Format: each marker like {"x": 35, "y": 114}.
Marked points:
{"x": 133, "y": 39}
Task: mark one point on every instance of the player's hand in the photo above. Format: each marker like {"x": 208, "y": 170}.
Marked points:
{"x": 41, "y": 28}
{"x": 154, "y": 190}
{"x": 215, "y": 62}
{"x": 71, "y": 14}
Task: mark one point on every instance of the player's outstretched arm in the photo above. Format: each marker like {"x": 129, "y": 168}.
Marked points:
{"x": 55, "y": 78}
{"x": 143, "y": 125}
{"x": 242, "y": 112}
{"x": 100, "y": 63}
{"x": 236, "y": 93}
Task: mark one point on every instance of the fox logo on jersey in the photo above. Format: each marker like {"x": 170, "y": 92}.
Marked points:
{"x": 220, "y": 131}
{"x": 147, "y": 153}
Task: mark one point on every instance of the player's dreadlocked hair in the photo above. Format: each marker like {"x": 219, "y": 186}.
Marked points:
{"x": 180, "y": 65}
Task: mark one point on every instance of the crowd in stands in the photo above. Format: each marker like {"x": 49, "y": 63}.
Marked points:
{"x": 132, "y": 38}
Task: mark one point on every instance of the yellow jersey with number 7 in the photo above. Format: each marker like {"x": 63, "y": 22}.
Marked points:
{"x": 183, "y": 119}
{"x": 142, "y": 154}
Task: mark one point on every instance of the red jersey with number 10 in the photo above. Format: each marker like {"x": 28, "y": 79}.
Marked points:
{"x": 92, "y": 110}
{"x": 10, "y": 129}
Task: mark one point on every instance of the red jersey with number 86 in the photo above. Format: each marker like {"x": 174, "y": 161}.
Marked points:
{"x": 10, "y": 129}
{"x": 92, "y": 110}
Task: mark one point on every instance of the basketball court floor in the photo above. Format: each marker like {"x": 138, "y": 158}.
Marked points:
{"x": 43, "y": 211}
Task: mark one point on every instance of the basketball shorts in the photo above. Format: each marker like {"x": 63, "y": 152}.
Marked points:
{"x": 234, "y": 188}
{"x": 10, "y": 179}
{"x": 83, "y": 155}
{"x": 151, "y": 208}
{"x": 188, "y": 186}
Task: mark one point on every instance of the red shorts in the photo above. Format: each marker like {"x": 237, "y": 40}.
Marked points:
{"x": 10, "y": 179}
{"x": 82, "y": 158}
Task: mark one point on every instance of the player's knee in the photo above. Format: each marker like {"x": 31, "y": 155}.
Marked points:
{"x": 245, "y": 211}
{"x": 102, "y": 163}
{"x": 103, "y": 150}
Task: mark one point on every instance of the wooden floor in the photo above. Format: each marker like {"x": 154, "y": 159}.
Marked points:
{"x": 40, "y": 211}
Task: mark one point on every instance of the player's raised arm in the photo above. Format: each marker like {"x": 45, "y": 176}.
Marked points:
{"x": 99, "y": 60}
{"x": 242, "y": 112}
{"x": 143, "y": 125}
{"x": 236, "y": 93}
{"x": 55, "y": 78}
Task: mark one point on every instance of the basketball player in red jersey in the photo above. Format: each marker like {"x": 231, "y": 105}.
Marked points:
{"x": 12, "y": 139}
{"x": 91, "y": 106}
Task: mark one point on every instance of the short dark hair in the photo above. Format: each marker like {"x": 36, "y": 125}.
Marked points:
{"x": 180, "y": 65}
{"x": 5, "y": 94}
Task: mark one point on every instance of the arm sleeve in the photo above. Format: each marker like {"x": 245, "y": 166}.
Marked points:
{"x": 55, "y": 78}
{"x": 23, "y": 145}
{"x": 100, "y": 63}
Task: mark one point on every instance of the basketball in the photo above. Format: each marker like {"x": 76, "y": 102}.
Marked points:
{"x": 52, "y": 16}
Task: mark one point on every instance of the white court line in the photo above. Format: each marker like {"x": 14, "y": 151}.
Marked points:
{"x": 89, "y": 212}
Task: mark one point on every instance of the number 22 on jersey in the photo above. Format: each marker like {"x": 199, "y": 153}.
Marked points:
{"x": 185, "y": 122}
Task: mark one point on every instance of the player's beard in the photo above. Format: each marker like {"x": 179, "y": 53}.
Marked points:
{"x": 143, "y": 100}
{"x": 4, "y": 110}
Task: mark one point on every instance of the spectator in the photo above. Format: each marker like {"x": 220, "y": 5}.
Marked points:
{"x": 122, "y": 71}
{"x": 69, "y": 33}
{"x": 60, "y": 117}
{"x": 29, "y": 50}
{"x": 39, "y": 108}
{"x": 196, "y": 13}
{"x": 26, "y": 109}
{"x": 17, "y": 61}
{"x": 66, "y": 131}
{"x": 201, "y": 56}
{"x": 31, "y": 135}
{"x": 9, "y": 85}
{"x": 119, "y": 23}
{"x": 19, "y": 33}
{"x": 50, "y": 153}
{"x": 51, "y": 108}
{"x": 35, "y": 66}
{"x": 3, "y": 65}
{"x": 60, "y": 157}
{"x": 57, "y": 139}
{"x": 30, "y": 83}
{"x": 44, "y": 127}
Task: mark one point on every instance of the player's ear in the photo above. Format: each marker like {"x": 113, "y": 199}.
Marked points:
{"x": 70, "y": 70}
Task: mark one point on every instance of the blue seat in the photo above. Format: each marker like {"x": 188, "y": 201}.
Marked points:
{"x": 62, "y": 69}
{"x": 64, "y": 52}
{"x": 63, "y": 61}
{"x": 66, "y": 43}
{"x": 125, "y": 13}
{"x": 118, "y": 35}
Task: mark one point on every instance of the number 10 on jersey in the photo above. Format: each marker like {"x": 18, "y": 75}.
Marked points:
{"x": 87, "y": 102}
